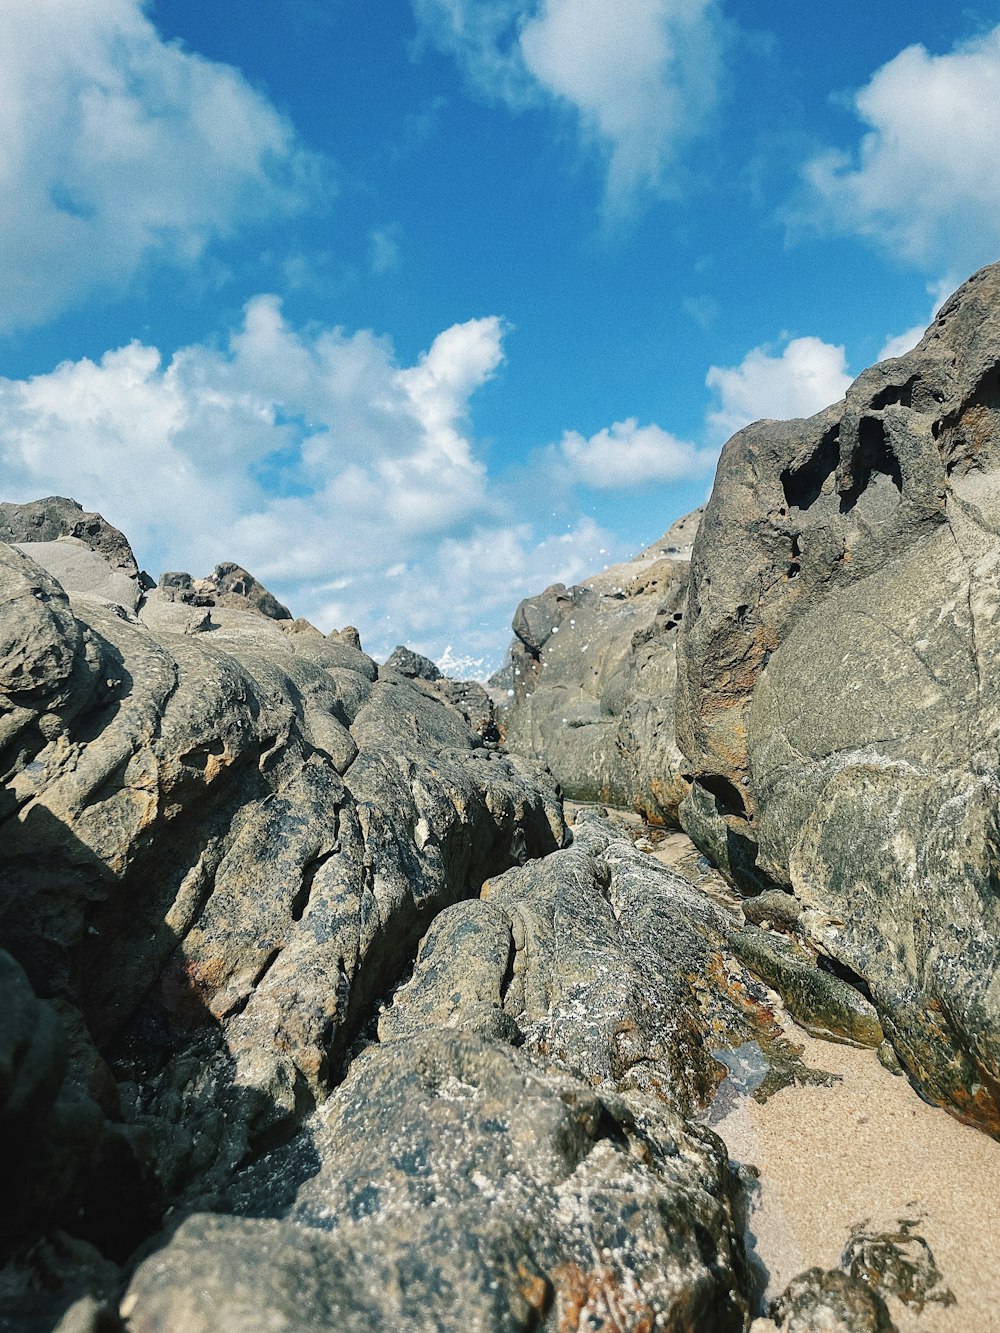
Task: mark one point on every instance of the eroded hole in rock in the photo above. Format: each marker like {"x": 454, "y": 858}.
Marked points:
{"x": 895, "y": 394}
{"x": 794, "y": 566}
{"x": 199, "y": 756}
{"x": 728, "y": 797}
{"x": 873, "y": 456}
{"x": 309, "y": 872}
{"x": 845, "y": 973}
{"x": 803, "y": 485}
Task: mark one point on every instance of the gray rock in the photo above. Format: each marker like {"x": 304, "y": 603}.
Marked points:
{"x": 579, "y": 956}
{"x": 592, "y": 672}
{"x": 80, "y": 569}
{"x": 408, "y": 663}
{"x": 464, "y": 1187}
{"x": 838, "y": 703}
{"x": 228, "y": 585}
{"x": 49, "y": 519}
{"x": 232, "y": 842}
{"x": 819, "y": 1301}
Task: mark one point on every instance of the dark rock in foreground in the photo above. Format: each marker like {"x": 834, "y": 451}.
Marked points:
{"x": 462, "y": 1186}
{"x": 217, "y": 853}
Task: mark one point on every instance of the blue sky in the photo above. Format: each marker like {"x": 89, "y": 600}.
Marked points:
{"x": 416, "y": 306}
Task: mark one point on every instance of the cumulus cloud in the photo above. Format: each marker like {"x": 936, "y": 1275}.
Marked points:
{"x": 626, "y": 455}
{"x": 807, "y": 376}
{"x": 349, "y": 483}
{"x": 901, "y": 343}
{"x": 640, "y": 76}
{"x": 924, "y": 180}
{"x": 116, "y": 147}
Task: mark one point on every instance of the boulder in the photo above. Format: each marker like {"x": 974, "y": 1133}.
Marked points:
{"x": 591, "y": 678}
{"x": 838, "y": 700}
{"x": 830, "y": 1301}
{"x": 80, "y": 569}
{"x": 48, "y": 520}
{"x": 463, "y": 1186}
{"x": 408, "y": 663}
{"x": 228, "y": 585}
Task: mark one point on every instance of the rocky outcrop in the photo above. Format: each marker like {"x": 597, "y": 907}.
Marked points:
{"x": 462, "y": 1186}
{"x": 83, "y": 552}
{"x": 228, "y": 585}
{"x": 515, "y": 1148}
{"x": 306, "y": 979}
{"x": 838, "y": 697}
{"x": 45, "y": 521}
{"x": 591, "y": 680}
{"x": 217, "y": 853}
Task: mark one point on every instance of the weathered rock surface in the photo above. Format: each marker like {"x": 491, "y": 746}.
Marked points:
{"x": 607, "y": 962}
{"x": 839, "y": 700}
{"x": 83, "y": 552}
{"x": 228, "y": 585}
{"x": 830, "y": 1301}
{"x": 593, "y": 674}
{"x": 217, "y": 852}
{"x": 45, "y": 521}
{"x": 462, "y": 1186}
{"x": 220, "y": 852}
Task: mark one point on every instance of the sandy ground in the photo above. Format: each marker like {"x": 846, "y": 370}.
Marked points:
{"x": 866, "y": 1151}
{"x": 869, "y": 1150}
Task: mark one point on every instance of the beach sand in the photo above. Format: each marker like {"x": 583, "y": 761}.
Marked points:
{"x": 869, "y": 1150}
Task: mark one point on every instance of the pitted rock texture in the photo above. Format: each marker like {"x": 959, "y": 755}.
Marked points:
{"x": 57, "y": 517}
{"x": 838, "y": 697}
{"x": 593, "y": 672}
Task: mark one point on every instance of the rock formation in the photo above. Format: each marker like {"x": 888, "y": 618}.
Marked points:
{"x": 218, "y": 852}
{"x": 839, "y": 700}
{"x": 592, "y": 672}
{"x": 837, "y": 733}
{"x": 306, "y": 980}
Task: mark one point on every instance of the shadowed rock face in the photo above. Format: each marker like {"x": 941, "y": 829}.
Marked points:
{"x": 838, "y": 697}
{"x": 592, "y": 673}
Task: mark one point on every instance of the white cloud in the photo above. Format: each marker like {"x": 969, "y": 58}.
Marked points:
{"x": 901, "y": 343}
{"x": 641, "y": 76}
{"x": 925, "y": 178}
{"x": 349, "y": 484}
{"x": 627, "y": 455}
{"x": 483, "y": 37}
{"x": 116, "y": 147}
{"x": 808, "y": 376}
